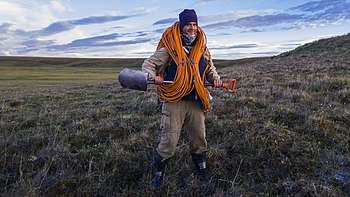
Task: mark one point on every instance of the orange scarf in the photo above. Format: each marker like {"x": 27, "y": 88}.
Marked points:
{"x": 187, "y": 75}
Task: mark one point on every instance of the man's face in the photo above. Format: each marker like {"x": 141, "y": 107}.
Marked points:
{"x": 190, "y": 29}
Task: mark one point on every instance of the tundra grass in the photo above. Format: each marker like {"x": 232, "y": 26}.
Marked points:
{"x": 74, "y": 131}
{"x": 57, "y": 73}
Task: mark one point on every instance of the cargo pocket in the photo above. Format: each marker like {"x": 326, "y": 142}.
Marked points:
{"x": 165, "y": 122}
{"x": 165, "y": 137}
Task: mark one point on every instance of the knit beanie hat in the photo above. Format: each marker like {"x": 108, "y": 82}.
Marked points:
{"x": 186, "y": 16}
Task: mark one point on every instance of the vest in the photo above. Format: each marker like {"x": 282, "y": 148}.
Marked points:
{"x": 170, "y": 73}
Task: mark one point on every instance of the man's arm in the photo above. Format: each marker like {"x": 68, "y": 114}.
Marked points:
{"x": 211, "y": 75}
{"x": 156, "y": 63}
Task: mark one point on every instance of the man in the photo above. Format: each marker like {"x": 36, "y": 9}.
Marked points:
{"x": 182, "y": 57}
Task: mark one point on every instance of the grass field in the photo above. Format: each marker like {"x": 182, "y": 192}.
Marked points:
{"x": 68, "y": 128}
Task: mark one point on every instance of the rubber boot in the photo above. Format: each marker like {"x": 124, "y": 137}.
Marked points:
{"x": 199, "y": 161}
{"x": 159, "y": 164}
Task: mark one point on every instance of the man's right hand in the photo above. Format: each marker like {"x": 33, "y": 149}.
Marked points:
{"x": 158, "y": 80}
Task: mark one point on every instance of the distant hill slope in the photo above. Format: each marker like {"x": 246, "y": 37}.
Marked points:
{"x": 334, "y": 45}
{"x": 22, "y": 61}
{"x": 72, "y": 62}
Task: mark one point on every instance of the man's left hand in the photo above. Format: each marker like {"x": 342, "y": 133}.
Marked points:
{"x": 217, "y": 83}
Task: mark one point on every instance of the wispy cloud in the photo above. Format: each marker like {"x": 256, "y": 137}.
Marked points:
{"x": 99, "y": 41}
{"x": 4, "y": 28}
{"x": 313, "y": 11}
{"x": 324, "y": 6}
{"x": 239, "y": 46}
{"x": 325, "y": 10}
{"x": 34, "y": 27}
{"x": 165, "y": 21}
{"x": 23, "y": 41}
{"x": 257, "y": 21}
{"x": 266, "y": 20}
{"x": 62, "y": 26}
{"x": 31, "y": 14}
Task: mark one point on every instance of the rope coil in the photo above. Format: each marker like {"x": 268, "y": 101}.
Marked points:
{"x": 187, "y": 76}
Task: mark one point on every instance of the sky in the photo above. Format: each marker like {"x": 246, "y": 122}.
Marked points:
{"x": 132, "y": 29}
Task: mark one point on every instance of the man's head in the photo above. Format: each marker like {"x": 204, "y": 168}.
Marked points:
{"x": 188, "y": 24}
{"x": 186, "y": 16}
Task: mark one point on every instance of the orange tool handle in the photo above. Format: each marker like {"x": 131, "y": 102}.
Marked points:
{"x": 229, "y": 85}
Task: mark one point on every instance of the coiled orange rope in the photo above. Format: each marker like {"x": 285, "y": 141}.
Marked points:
{"x": 187, "y": 75}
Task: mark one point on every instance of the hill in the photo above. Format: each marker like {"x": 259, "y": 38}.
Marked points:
{"x": 71, "y": 62}
{"x": 283, "y": 132}
{"x": 334, "y": 45}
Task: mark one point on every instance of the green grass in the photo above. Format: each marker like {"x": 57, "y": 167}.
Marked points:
{"x": 30, "y": 68}
{"x": 73, "y": 130}
{"x": 61, "y": 73}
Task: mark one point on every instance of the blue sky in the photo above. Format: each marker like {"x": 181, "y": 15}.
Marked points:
{"x": 111, "y": 28}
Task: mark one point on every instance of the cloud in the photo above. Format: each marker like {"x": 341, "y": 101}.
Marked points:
{"x": 159, "y": 31}
{"x": 62, "y": 26}
{"x": 37, "y": 43}
{"x": 323, "y": 5}
{"x": 22, "y": 41}
{"x": 315, "y": 12}
{"x": 92, "y": 41}
{"x": 99, "y": 41}
{"x": 255, "y": 30}
{"x": 325, "y": 10}
{"x": 165, "y": 21}
{"x": 31, "y": 14}
{"x": 5, "y": 27}
{"x": 234, "y": 15}
{"x": 220, "y": 16}
{"x": 257, "y": 21}
{"x": 239, "y": 46}
{"x": 41, "y": 32}
{"x": 54, "y": 28}
{"x": 266, "y": 20}
{"x": 99, "y": 19}
{"x": 9, "y": 9}
{"x": 9, "y": 30}
{"x": 265, "y": 53}
{"x": 232, "y": 55}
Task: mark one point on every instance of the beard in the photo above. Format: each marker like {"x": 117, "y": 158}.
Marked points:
{"x": 189, "y": 39}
